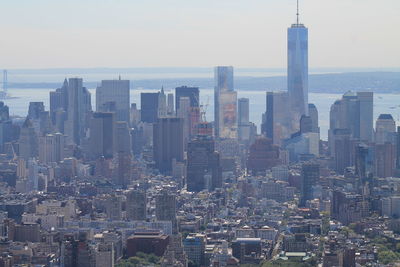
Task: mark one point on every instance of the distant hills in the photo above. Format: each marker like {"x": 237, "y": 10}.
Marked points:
{"x": 379, "y": 82}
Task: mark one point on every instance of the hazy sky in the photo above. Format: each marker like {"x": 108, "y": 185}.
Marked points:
{"x": 148, "y": 33}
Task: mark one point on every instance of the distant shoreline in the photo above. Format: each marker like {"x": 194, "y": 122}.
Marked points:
{"x": 379, "y": 82}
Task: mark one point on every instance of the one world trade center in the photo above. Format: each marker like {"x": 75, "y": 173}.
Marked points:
{"x": 298, "y": 70}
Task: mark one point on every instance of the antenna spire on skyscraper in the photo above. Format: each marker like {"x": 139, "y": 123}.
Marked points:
{"x": 297, "y": 14}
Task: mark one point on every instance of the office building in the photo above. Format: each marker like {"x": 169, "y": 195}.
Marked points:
{"x": 170, "y": 105}
{"x": 313, "y": 113}
{"x": 114, "y": 207}
{"x": 79, "y": 106}
{"x": 166, "y": 206}
{"x": 101, "y": 135}
{"x": 385, "y": 129}
{"x": 59, "y": 100}
{"x": 398, "y": 148}
{"x": 122, "y": 138}
{"x": 117, "y": 92}
{"x": 149, "y": 107}
{"x": 297, "y": 70}
{"x": 246, "y": 129}
{"x": 385, "y": 160}
{"x": 263, "y": 155}
{"x": 147, "y": 242}
{"x": 277, "y": 125}
{"x": 309, "y": 178}
{"x": 184, "y": 112}
{"x": 136, "y": 205}
{"x": 342, "y": 149}
{"x": 135, "y": 115}
{"x": 303, "y": 144}
{"x": 168, "y": 143}
{"x": 243, "y": 248}
{"x": 35, "y": 108}
{"x": 366, "y": 106}
{"x": 194, "y": 246}
{"x": 28, "y": 141}
{"x": 104, "y": 255}
{"x": 189, "y": 97}
{"x": 243, "y": 111}
{"x": 162, "y": 104}
{"x": 354, "y": 113}
{"x": 6, "y": 126}
{"x": 51, "y": 148}
{"x": 77, "y": 252}
{"x": 202, "y": 162}
{"x": 123, "y": 170}
{"x": 191, "y": 92}
{"x": 225, "y": 103}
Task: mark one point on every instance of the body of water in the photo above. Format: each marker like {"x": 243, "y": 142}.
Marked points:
{"x": 383, "y": 103}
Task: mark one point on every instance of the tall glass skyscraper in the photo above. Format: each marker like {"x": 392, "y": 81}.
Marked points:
{"x": 298, "y": 69}
{"x": 225, "y": 103}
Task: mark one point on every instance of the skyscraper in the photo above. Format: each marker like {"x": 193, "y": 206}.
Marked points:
{"x": 122, "y": 138}
{"x": 183, "y": 112}
{"x": 309, "y": 178}
{"x": 149, "y": 107}
{"x": 35, "y": 108}
{"x": 116, "y": 91}
{"x": 162, "y": 104}
{"x": 297, "y": 70}
{"x": 28, "y": 141}
{"x": 168, "y": 143}
{"x": 79, "y": 105}
{"x": 225, "y": 103}
{"x": 313, "y": 113}
{"x": 385, "y": 160}
{"x": 385, "y": 129}
{"x": 101, "y": 135}
{"x": 366, "y": 107}
{"x": 203, "y": 162}
{"x": 185, "y": 91}
{"x": 354, "y": 112}
{"x": 59, "y": 100}
{"x": 243, "y": 111}
{"x": 277, "y": 125}
{"x": 246, "y": 129}
{"x": 51, "y": 148}
{"x": 170, "y": 104}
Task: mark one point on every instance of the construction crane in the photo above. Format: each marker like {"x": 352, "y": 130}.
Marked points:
{"x": 203, "y": 110}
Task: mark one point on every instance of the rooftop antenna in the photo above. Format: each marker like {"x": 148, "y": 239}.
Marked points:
{"x": 297, "y": 14}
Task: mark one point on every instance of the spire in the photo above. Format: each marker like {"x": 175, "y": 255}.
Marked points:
{"x": 297, "y": 14}
{"x": 162, "y": 89}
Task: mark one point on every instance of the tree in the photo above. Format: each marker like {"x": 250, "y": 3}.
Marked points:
{"x": 141, "y": 259}
{"x": 388, "y": 256}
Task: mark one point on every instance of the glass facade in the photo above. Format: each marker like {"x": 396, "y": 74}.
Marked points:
{"x": 298, "y": 69}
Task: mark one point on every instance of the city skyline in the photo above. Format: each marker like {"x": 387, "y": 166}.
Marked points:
{"x": 176, "y": 31}
{"x": 113, "y": 173}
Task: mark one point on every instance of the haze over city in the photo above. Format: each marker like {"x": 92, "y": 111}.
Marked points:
{"x": 242, "y": 33}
